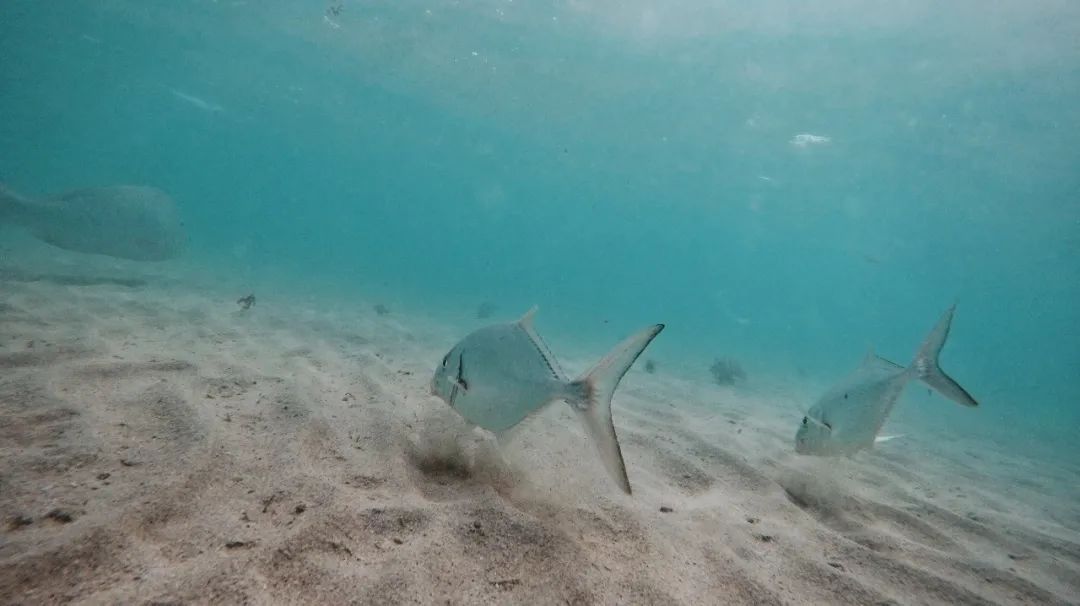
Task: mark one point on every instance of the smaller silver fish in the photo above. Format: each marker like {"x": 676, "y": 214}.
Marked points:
{"x": 806, "y": 139}
{"x": 124, "y": 221}
{"x": 849, "y": 416}
{"x": 498, "y": 375}
{"x": 202, "y": 104}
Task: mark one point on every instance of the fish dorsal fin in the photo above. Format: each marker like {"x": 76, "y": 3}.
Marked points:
{"x": 887, "y": 362}
{"x": 526, "y": 324}
{"x": 871, "y": 359}
{"x": 526, "y": 320}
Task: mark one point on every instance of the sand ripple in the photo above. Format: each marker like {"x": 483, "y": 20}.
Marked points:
{"x": 160, "y": 447}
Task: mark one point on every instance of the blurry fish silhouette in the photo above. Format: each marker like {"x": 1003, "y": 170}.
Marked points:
{"x": 333, "y": 13}
{"x": 498, "y": 375}
{"x": 125, "y": 221}
{"x": 194, "y": 101}
{"x": 806, "y": 140}
{"x": 848, "y": 417}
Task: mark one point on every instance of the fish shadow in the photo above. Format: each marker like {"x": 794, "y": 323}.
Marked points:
{"x": 874, "y": 525}
{"x": 451, "y": 466}
{"x": 440, "y": 469}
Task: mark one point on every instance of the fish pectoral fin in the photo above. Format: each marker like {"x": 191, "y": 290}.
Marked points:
{"x": 881, "y": 439}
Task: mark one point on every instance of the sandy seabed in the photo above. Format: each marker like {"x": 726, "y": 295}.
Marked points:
{"x": 160, "y": 446}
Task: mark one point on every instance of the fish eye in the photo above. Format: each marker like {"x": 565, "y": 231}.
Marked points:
{"x": 446, "y": 358}
{"x": 804, "y": 420}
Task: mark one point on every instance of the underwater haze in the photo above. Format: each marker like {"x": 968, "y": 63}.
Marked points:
{"x": 783, "y": 184}
{"x": 608, "y": 161}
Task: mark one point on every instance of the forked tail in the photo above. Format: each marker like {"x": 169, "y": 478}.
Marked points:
{"x": 926, "y": 363}
{"x": 591, "y": 397}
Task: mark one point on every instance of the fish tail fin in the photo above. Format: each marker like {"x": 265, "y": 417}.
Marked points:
{"x": 591, "y": 397}
{"x": 926, "y": 366}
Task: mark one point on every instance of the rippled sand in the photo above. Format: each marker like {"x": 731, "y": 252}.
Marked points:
{"x": 160, "y": 446}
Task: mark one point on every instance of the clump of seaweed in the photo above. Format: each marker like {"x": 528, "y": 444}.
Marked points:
{"x": 726, "y": 371}
{"x": 485, "y": 310}
{"x": 650, "y": 366}
{"x": 382, "y": 310}
{"x": 245, "y": 303}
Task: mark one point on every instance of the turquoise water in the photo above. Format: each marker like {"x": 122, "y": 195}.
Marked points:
{"x": 616, "y": 164}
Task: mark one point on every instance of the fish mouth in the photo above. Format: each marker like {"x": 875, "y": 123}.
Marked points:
{"x": 435, "y": 390}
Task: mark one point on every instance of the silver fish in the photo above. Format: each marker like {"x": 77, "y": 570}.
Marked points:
{"x": 202, "y": 104}
{"x": 125, "y": 221}
{"x": 498, "y": 375}
{"x": 849, "y": 416}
